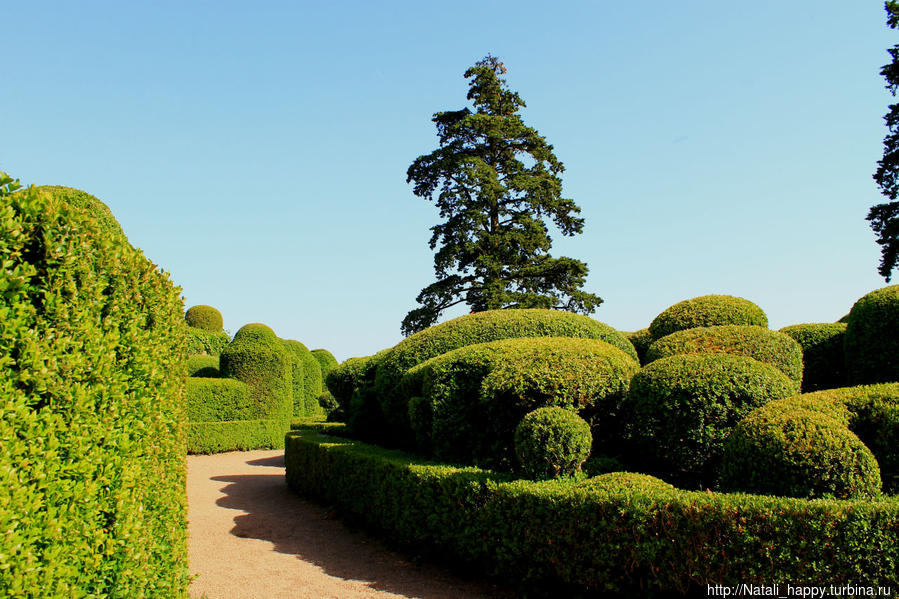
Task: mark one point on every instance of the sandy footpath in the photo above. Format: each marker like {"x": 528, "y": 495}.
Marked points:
{"x": 251, "y": 538}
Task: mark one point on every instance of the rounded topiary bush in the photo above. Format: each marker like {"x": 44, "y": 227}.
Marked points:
{"x": 258, "y": 358}
{"x": 798, "y": 453}
{"x": 707, "y": 311}
{"x": 326, "y": 361}
{"x": 203, "y": 366}
{"x": 871, "y": 343}
{"x": 551, "y": 443}
{"x": 823, "y": 366}
{"x": 632, "y": 481}
{"x": 682, "y": 408}
{"x": 204, "y": 317}
{"x": 478, "y": 394}
{"x": 764, "y": 345}
{"x": 641, "y": 340}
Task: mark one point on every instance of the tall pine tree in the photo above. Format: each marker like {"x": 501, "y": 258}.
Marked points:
{"x": 495, "y": 180}
{"x": 885, "y": 217}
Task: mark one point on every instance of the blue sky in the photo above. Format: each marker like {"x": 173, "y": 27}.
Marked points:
{"x": 259, "y": 154}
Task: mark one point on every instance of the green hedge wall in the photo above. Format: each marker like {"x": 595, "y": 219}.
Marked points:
{"x": 220, "y": 399}
{"x": 823, "y": 365}
{"x": 871, "y": 344}
{"x": 326, "y": 361}
{"x": 236, "y": 435}
{"x": 602, "y": 537}
{"x": 203, "y": 366}
{"x": 707, "y": 311}
{"x": 308, "y": 389}
{"x": 205, "y": 342}
{"x": 92, "y": 374}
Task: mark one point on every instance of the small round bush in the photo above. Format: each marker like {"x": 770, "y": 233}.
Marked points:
{"x": 823, "y": 366}
{"x": 798, "y": 453}
{"x": 872, "y": 338}
{"x": 203, "y": 366}
{"x": 764, "y": 345}
{"x": 682, "y": 408}
{"x": 204, "y": 317}
{"x": 641, "y": 340}
{"x": 707, "y": 311}
{"x": 258, "y": 358}
{"x": 326, "y": 361}
{"x": 632, "y": 481}
{"x": 551, "y": 443}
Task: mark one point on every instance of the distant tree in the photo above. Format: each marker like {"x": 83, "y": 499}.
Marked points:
{"x": 885, "y": 217}
{"x": 495, "y": 181}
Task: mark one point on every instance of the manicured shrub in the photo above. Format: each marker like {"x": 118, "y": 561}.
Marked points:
{"x": 199, "y": 341}
{"x": 343, "y": 380}
{"x": 217, "y": 399}
{"x": 823, "y": 366}
{"x": 326, "y": 361}
{"x": 682, "y": 408}
{"x": 629, "y": 480}
{"x": 327, "y": 403}
{"x": 764, "y": 345}
{"x": 258, "y": 358}
{"x": 307, "y": 380}
{"x": 872, "y": 338}
{"x": 479, "y": 393}
{"x": 85, "y": 203}
{"x": 203, "y": 366}
{"x": 236, "y": 435}
{"x": 707, "y": 311}
{"x": 798, "y": 453}
{"x": 204, "y": 317}
{"x": 552, "y": 442}
{"x": 641, "y": 340}
{"x": 92, "y": 470}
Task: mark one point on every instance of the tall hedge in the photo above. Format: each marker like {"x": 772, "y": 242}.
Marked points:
{"x": 326, "y": 361}
{"x": 258, "y": 358}
{"x": 707, "y": 311}
{"x": 92, "y": 374}
{"x": 308, "y": 389}
{"x": 871, "y": 343}
{"x": 823, "y": 365}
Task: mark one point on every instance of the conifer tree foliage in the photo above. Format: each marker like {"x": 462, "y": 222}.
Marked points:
{"x": 885, "y": 217}
{"x": 495, "y": 181}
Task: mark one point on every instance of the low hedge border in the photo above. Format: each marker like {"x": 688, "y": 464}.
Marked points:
{"x": 604, "y": 538}
{"x": 235, "y": 435}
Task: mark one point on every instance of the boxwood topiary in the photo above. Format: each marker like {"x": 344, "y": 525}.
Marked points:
{"x": 199, "y": 341}
{"x": 823, "y": 366}
{"x": 641, "y": 340}
{"x": 258, "y": 358}
{"x": 326, "y": 361}
{"x": 552, "y": 442}
{"x": 86, "y": 204}
{"x": 764, "y": 345}
{"x": 218, "y": 400}
{"x": 308, "y": 388}
{"x": 203, "y": 366}
{"x": 798, "y": 453}
{"x": 629, "y": 480}
{"x": 92, "y": 375}
{"x": 707, "y": 311}
{"x": 204, "y": 317}
{"x": 872, "y": 338}
{"x": 683, "y": 407}
{"x": 479, "y": 393}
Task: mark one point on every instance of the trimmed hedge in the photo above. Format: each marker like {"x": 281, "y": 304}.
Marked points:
{"x": 258, "y": 358}
{"x": 764, "y": 345}
{"x": 204, "y": 317}
{"x": 477, "y": 394}
{"x": 326, "y": 361}
{"x": 641, "y": 340}
{"x": 236, "y": 435}
{"x": 92, "y": 374}
{"x": 552, "y": 443}
{"x": 682, "y": 409}
{"x": 307, "y": 380}
{"x": 707, "y": 311}
{"x": 823, "y": 366}
{"x": 343, "y": 380}
{"x": 798, "y": 453}
{"x": 199, "y": 341}
{"x": 203, "y": 366}
{"x": 628, "y": 480}
{"x": 218, "y": 399}
{"x": 574, "y": 538}
{"x": 871, "y": 343}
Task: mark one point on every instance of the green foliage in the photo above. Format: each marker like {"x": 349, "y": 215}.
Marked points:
{"x": 798, "y": 453}
{"x": 218, "y": 399}
{"x": 92, "y": 374}
{"x": 327, "y": 403}
{"x": 871, "y": 343}
{"x": 86, "y": 204}
{"x": 641, "y": 340}
{"x": 884, "y": 218}
{"x": 823, "y": 366}
{"x": 496, "y": 180}
{"x": 344, "y": 380}
{"x": 199, "y": 341}
{"x": 236, "y": 435}
{"x": 258, "y": 358}
{"x": 707, "y": 311}
{"x": 764, "y": 345}
{"x": 204, "y": 317}
{"x": 627, "y": 536}
{"x": 552, "y": 442}
{"x": 682, "y": 409}
{"x": 628, "y": 480}
{"x": 307, "y": 380}
{"x": 479, "y": 393}
{"x": 203, "y": 366}
{"x": 326, "y": 361}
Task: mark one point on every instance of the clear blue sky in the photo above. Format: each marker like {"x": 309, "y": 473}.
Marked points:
{"x": 259, "y": 154}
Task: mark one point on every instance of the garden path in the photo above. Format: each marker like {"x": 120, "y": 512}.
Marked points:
{"x": 251, "y": 538}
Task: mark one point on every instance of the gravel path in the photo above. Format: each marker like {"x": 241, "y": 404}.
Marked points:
{"x": 251, "y": 538}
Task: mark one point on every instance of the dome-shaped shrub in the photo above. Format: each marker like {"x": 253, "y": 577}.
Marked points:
{"x": 872, "y": 338}
{"x": 683, "y": 407}
{"x": 823, "y": 366}
{"x": 641, "y": 340}
{"x": 764, "y": 345}
{"x": 86, "y": 203}
{"x": 479, "y": 393}
{"x": 204, "y": 317}
{"x": 307, "y": 380}
{"x": 798, "y": 453}
{"x": 633, "y": 481}
{"x": 258, "y": 358}
{"x": 551, "y": 443}
{"x": 203, "y": 366}
{"x": 326, "y": 361}
{"x": 707, "y": 311}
